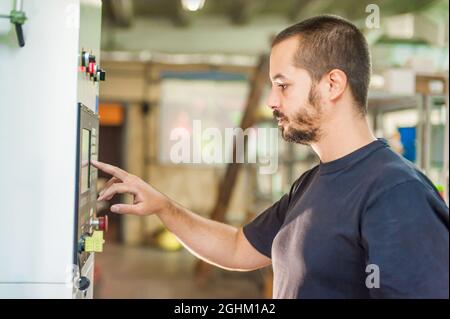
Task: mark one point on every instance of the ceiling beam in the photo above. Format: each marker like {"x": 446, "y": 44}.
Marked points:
{"x": 242, "y": 11}
{"x": 121, "y": 12}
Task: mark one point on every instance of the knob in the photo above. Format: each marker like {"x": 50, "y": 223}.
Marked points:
{"x": 83, "y": 283}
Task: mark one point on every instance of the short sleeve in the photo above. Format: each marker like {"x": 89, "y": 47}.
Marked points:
{"x": 263, "y": 229}
{"x": 405, "y": 233}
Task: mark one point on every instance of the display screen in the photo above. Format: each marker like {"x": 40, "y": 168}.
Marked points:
{"x": 85, "y": 160}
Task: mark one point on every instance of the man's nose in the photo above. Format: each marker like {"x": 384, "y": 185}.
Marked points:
{"x": 272, "y": 100}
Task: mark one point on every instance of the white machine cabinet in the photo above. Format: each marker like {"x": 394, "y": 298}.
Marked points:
{"x": 49, "y": 89}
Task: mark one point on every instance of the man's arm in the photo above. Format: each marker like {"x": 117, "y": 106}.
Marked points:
{"x": 405, "y": 234}
{"x": 216, "y": 243}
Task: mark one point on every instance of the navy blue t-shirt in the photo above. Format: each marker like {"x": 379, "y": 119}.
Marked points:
{"x": 371, "y": 207}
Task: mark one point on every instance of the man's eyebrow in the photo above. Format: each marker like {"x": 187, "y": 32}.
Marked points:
{"x": 279, "y": 76}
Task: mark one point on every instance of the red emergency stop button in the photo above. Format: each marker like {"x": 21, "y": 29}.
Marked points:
{"x": 99, "y": 223}
{"x": 103, "y": 223}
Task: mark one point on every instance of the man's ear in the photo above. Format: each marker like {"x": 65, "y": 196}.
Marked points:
{"x": 337, "y": 83}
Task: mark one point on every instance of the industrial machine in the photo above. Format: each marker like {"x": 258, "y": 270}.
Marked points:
{"x": 49, "y": 129}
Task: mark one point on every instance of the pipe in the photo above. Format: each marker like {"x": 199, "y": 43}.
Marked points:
{"x": 18, "y": 6}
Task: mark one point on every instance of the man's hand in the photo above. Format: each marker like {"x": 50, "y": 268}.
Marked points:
{"x": 147, "y": 200}
{"x": 217, "y": 243}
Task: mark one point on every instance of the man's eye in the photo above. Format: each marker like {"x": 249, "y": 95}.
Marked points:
{"x": 282, "y": 86}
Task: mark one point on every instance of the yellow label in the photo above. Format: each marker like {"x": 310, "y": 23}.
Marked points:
{"x": 95, "y": 242}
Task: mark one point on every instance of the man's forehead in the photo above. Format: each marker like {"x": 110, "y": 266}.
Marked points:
{"x": 287, "y": 46}
{"x": 287, "y": 72}
{"x": 282, "y": 57}
{"x": 280, "y": 69}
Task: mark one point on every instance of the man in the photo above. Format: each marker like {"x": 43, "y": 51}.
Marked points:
{"x": 363, "y": 223}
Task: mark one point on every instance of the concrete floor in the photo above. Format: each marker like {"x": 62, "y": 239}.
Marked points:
{"x": 143, "y": 272}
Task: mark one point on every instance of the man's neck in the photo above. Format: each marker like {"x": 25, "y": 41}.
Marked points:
{"x": 342, "y": 138}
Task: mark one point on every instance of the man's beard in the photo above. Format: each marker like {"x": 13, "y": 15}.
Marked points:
{"x": 310, "y": 131}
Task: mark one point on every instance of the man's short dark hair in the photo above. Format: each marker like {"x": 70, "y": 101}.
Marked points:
{"x": 329, "y": 42}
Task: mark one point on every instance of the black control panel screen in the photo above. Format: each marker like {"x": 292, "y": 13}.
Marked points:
{"x": 85, "y": 159}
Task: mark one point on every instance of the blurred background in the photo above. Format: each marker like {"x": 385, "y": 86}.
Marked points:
{"x": 170, "y": 62}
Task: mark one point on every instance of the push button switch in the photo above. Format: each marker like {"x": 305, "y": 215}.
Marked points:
{"x": 100, "y": 223}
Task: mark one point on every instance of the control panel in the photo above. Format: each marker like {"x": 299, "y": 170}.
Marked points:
{"x": 89, "y": 227}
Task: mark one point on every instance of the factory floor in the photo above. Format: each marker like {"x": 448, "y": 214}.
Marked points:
{"x": 144, "y": 272}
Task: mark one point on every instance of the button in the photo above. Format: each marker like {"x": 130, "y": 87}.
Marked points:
{"x": 100, "y": 223}
{"x": 91, "y": 68}
{"x": 83, "y": 283}
{"x": 103, "y": 223}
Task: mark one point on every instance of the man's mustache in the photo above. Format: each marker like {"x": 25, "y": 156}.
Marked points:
{"x": 278, "y": 114}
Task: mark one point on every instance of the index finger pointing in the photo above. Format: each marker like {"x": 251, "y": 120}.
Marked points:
{"x": 110, "y": 169}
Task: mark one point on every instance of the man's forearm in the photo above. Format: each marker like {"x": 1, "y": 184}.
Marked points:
{"x": 209, "y": 240}
{"x": 217, "y": 243}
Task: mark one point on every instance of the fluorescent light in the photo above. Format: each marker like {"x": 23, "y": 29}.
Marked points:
{"x": 192, "y": 5}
